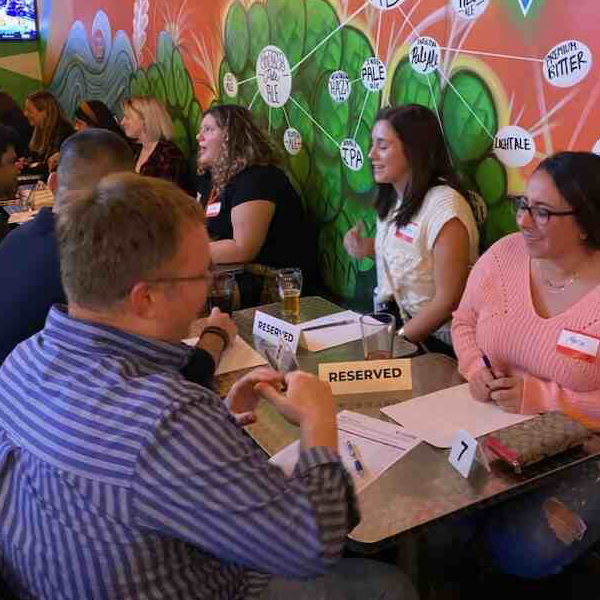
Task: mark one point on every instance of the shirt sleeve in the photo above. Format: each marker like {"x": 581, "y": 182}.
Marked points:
{"x": 201, "y": 479}
{"x": 257, "y": 183}
{"x": 200, "y": 368}
{"x": 445, "y": 205}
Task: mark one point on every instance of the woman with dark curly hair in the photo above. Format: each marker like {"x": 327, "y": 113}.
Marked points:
{"x": 254, "y": 215}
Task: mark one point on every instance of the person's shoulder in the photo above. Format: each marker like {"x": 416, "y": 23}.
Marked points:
{"x": 446, "y": 196}
{"x": 260, "y": 172}
{"x": 170, "y": 148}
{"x": 507, "y": 251}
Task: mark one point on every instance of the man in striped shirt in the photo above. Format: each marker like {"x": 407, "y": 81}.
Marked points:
{"x": 122, "y": 479}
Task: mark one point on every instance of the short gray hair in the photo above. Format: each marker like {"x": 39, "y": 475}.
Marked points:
{"x": 85, "y": 158}
{"x": 124, "y": 231}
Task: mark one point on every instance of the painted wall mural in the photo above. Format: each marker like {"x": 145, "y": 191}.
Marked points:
{"x": 511, "y": 82}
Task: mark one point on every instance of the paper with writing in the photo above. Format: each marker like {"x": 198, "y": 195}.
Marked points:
{"x": 329, "y": 337}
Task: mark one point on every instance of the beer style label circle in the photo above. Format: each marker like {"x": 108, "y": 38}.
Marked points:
{"x": 352, "y": 155}
{"x": 567, "y": 64}
{"x": 385, "y": 4}
{"x": 596, "y": 148}
{"x": 373, "y": 74}
{"x": 230, "y": 84}
{"x": 424, "y": 55}
{"x": 469, "y": 9}
{"x": 292, "y": 140}
{"x": 514, "y": 146}
{"x": 274, "y": 76}
{"x": 339, "y": 86}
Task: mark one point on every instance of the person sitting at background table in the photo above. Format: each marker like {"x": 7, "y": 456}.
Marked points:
{"x": 91, "y": 113}
{"x": 254, "y": 214}
{"x": 531, "y": 306}
{"x": 51, "y": 128}
{"x": 153, "y": 466}
{"x": 426, "y": 230}
{"x": 9, "y": 171}
{"x": 147, "y": 121}
{"x": 11, "y": 115}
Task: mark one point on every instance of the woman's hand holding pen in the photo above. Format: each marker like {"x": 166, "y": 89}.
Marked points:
{"x": 490, "y": 384}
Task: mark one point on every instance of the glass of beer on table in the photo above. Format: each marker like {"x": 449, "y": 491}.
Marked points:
{"x": 378, "y": 331}
{"x": 290, "y": 287}
{"x": 221, "y": 293}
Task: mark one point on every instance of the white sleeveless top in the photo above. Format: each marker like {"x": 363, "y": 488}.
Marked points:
{"x": 409, "y": 250}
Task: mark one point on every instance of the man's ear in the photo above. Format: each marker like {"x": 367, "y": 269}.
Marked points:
{"x": 143, "y": 300}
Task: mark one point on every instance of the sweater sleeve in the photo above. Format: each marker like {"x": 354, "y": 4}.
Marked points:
{"x": 541, "y": 396}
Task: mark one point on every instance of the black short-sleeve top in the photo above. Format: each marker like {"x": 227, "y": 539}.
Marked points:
{"x": 260, "y": 182}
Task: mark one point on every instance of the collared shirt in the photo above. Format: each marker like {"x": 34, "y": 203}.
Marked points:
{"x": 121, "y": 479}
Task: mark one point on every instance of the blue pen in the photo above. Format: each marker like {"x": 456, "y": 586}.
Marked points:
{"x": 357, "y": 464}
{"x": 488, "y": 364}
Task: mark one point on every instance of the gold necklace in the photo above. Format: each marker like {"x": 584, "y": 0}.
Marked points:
{"x": 556, "y": 289}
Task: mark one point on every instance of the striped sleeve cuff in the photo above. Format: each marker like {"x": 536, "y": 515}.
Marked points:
{"x": 315, "y": 457}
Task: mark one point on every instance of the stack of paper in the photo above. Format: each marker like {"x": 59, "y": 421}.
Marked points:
{"x": 329, "y": 337}
{"x": 379, "y": 445}
{"x": 438, "y": 417}
{"x": 239, "y": 356}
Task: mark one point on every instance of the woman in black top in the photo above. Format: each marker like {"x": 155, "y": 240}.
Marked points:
{"x": 254, "y": 215}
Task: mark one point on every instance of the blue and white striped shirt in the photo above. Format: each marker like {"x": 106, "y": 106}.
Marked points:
{"x": 121, "y": 479}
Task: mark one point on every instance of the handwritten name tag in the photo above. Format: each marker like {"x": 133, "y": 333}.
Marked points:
{"x": 271, "y": 329}
{"x": 408, "y": 233}
{"x": 212, "y": 210}
{"x": 367, "y": 376}
{"x": 578, "y": 345}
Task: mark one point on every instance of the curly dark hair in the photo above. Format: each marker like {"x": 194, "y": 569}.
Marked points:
{"x": 244, "y": 144}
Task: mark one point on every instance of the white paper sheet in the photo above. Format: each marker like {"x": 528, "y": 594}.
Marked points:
{"x": 329, "y": 337}
{"x": 239, "y": 356}
{"x": 379, "y": 444}
{"x": 438, "y": 417}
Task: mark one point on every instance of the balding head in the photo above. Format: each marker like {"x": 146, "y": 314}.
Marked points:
{"x": 85, "y": 158}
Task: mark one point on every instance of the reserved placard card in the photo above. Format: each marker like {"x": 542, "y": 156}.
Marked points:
{"x": 361, "y": 377}
{"x": 271, "y": 329}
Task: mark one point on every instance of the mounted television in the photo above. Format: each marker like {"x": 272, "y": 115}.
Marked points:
{"x": 18, "y": 20}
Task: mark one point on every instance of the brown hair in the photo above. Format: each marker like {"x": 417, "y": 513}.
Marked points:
{"x": 124, "y": 231}
{"x": 41, "y": 140}
{"x": 158, "y": 124}
{"x": 244, "y": 144}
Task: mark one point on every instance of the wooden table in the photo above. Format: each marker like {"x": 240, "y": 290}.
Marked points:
{"x": 420, "y": 488}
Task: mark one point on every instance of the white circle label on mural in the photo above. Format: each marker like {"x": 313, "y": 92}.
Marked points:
{"x": 230, "y": 83}
{"x": 340, "y": 86}
{"x": 567, "y": 63}
{"x": 514, "y": 146}
{"x": 274, "y": 76}
{"x": 292, "y": 140}
{"x": 596, "y": 148}
{"x": 470, "y": 9}
{"x": 425, "y": 55}
{"x": 352, "y": 155}
{"x": 373, "y": 74}
{"x": 386, "y": 4}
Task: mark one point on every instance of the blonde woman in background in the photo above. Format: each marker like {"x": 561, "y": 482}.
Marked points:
{"x": 147, "y": 121}
{"x": 51, "y": 128}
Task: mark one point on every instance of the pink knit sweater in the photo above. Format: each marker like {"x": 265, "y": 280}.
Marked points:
{"x": 496, "y": 316}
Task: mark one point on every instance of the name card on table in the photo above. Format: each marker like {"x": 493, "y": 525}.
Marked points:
{"x": 465, "y": 451}
{"x": 367, "y": 376}
{"x": 272, "y": 329}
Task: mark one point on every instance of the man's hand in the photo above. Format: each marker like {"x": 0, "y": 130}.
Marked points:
{"x": 246, "y": 392}
{"x": 212, "y": 343}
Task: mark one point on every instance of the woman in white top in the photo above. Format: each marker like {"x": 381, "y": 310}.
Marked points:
{"x": 426, "y": 231}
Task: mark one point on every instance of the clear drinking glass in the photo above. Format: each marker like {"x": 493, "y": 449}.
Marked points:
{"x": 290, "y": 288}
{"x": 378, "y": 331}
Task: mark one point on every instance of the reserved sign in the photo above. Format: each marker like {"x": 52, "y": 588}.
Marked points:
{"x": 367, "y": 376}
{"x": 273, "y": 329}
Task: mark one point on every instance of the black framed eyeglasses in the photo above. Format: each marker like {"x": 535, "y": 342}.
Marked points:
{"x": 208, "y": 276}
{"x": 539, "y": 214}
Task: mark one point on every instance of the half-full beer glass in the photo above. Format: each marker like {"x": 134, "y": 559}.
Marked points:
{"x": 290, "y": 287}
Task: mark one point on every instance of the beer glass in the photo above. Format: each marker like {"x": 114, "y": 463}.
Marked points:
{"x": 290, "y": 287}
{"x": 221, "y": 293}
{"x": 378, "y": 331}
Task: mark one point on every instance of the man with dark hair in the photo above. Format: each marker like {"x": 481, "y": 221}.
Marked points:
{"x": 9, "y": 170}
{"x": 30, "y": 275}
{"x": 122, "y": 479}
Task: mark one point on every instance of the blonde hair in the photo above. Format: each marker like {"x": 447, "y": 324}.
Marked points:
{"x": 158, "y": 124}
{"x": 42, "y": 134}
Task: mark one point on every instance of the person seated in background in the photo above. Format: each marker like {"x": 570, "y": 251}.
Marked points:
{"x": 9, "y": 171}
{"x": 30, "y": 276}
{"x": 427, "y": 235}
{"x": 153, "y": 489}
{"x": 11, "y": 115}
{"x": 147, "y": 121}
{"x": 254, "y": 214}
{"x": 91, "y": 113}
{"x": 50, "y": 129}
{"x": 531, "y": 306}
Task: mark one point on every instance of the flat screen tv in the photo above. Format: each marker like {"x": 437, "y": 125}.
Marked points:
{"x": 18, "y": 20}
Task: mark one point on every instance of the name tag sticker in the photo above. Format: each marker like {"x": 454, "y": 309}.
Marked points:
{"x": 408, "y": 233}
{"x": 212, "y": 210}
{"x": 366, "y": 376}
{"x": 580, "y": 346}
{"x": 272, "y": 329}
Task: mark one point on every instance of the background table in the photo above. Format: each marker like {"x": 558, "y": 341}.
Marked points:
{"x": 422, "y": 486}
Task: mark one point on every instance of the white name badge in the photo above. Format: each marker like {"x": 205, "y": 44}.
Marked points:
{"x": 578, "y": 345}
{"x": 408, "y": 233}
{"x": 365, "y": 376}
{"x": 464, "y": 452}
{"x": 212, "y": 210}
{"x": 272, "y": 329}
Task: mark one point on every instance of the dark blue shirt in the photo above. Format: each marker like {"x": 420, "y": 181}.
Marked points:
{"x": 29, "y": 280}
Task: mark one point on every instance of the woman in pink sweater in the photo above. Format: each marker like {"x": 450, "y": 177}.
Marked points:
{"x": 532, "y": 306}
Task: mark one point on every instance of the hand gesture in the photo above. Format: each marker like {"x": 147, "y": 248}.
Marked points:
{"x": 247, "y": 391}
{"x": 222, "y": 320}
{"x": 507, "y": 393}
{"x": 356, "y": 245}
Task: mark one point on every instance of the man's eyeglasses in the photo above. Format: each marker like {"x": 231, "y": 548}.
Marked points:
{"x": 208, "y": 276}
{"x": 539, "y": 214}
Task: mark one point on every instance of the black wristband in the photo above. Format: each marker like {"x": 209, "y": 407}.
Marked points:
{"x": 219, "y": 332}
